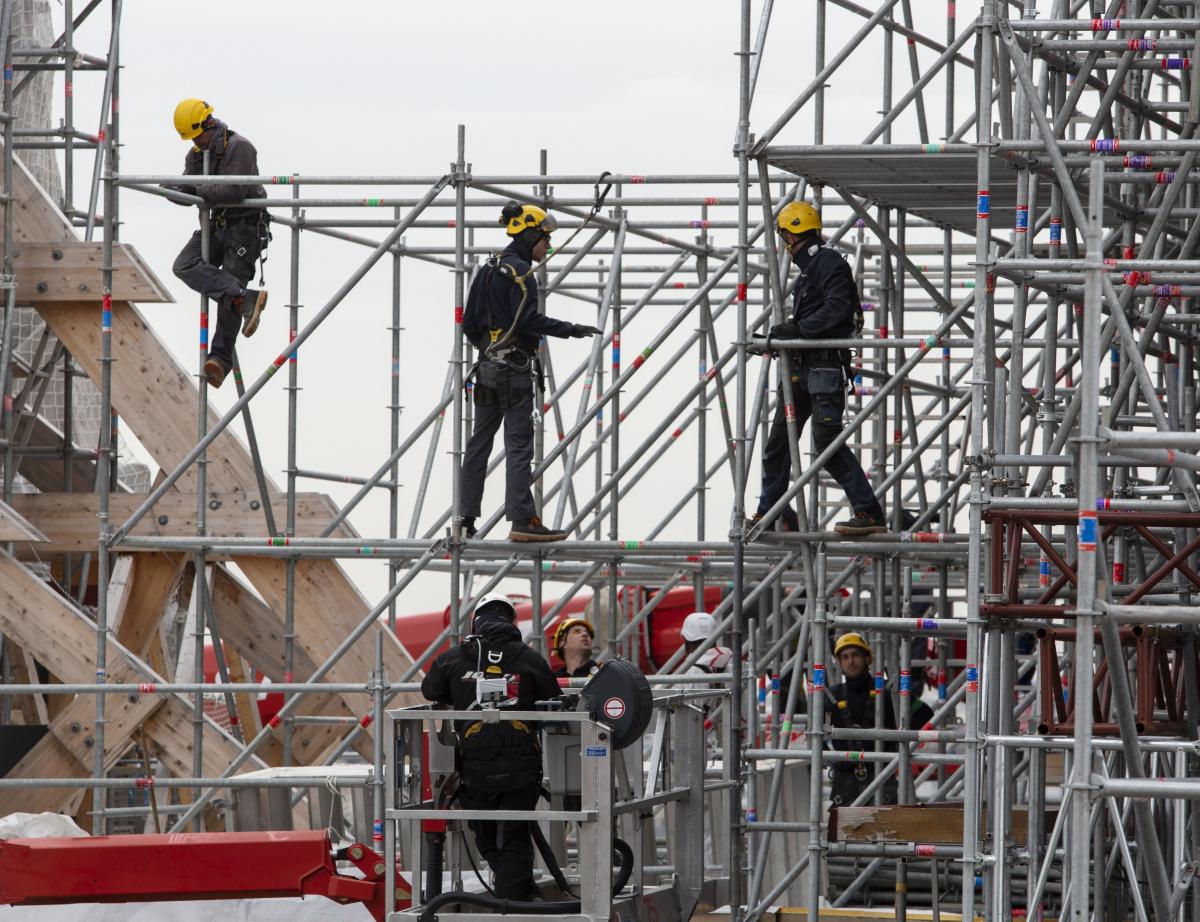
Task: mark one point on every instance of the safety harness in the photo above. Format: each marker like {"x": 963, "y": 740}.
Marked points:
{"x": 499, "y": 348}
{"x": 493, "y": 663}
{"x": 262, "y": 219}
{"x": 842, "y": 357}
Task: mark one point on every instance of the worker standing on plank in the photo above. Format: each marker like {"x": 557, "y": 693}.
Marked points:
{"x": 573, "y": 640}
{"x": 500, "y": 762}
{"x": 825, "y": 305}
{"x": 502, "y": 322}
{"x": 238, "y": 235}
{"x": 853, "y": 707}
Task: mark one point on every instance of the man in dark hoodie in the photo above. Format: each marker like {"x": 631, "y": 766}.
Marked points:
{"x": 825, "y": 305}
{"x": 853, "y": 707}
{"x": 237, "y": 236}
{"x": 500, "y": 762}
{"x": 502, "y": 322}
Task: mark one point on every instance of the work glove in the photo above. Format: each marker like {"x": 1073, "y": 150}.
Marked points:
{"x": 787, "y": 330}
{"x": 583, "y": 331}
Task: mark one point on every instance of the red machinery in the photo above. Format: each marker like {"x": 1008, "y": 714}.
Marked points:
{"x": 202, "y": 866}
{"x": 657, "y": 639}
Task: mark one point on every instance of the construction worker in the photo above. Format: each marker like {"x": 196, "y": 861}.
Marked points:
{"x": 698, "y": 627}
{"x": 237, "y": 235}
{"x": 573, "y": 640}
{"x": 499, "y": 762}
{"x": 852, "y": 706}
{"x": 502, "y": 322}
{"x": 825, "y": 305}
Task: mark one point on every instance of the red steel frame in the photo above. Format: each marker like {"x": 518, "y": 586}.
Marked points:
{"x": 201, "y": 866}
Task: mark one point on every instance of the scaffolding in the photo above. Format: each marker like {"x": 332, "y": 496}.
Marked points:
{"x": 1024, "y": 402}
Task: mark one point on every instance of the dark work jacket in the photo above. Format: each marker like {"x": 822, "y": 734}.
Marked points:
{"x": 494, "y": 299}
{"x": 853, "y": 705}
{"x": 587, "y": 670}
{"x": 825, "y": 301}
{"x": 921, "y": 712}
{"x": 231, "y": 154}
{"x": 505, "y": 754}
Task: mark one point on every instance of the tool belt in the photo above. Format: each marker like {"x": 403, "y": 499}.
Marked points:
{"x": 513, "y": 357}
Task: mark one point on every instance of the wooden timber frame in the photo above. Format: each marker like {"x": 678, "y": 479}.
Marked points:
{"x": 68, "y": 281}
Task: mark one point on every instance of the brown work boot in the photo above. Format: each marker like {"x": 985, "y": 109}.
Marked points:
{"x": 215, "y": 371}
{"x": 534, "y": 530}
{"x": 862, "y": 523}
{"x": 250, "y": 305}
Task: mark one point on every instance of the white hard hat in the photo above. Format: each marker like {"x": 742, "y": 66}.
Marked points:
{"x": 699, "y": 625}
{"x": 495, "y": 597}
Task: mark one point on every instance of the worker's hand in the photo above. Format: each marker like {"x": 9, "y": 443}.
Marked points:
{"x": 787, "y": 330}
{"x": 583, "y": 331}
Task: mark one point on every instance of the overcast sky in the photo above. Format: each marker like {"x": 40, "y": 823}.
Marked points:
{"x": 379, "y": 88}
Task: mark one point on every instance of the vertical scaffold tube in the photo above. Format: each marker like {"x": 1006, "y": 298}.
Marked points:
{"x": 737, "y": 827}
{"x": 102, "y": 484}
{"x": 456, "y": 362}
{"x": 293, "y": 424}
{"x": 980, "y": 371}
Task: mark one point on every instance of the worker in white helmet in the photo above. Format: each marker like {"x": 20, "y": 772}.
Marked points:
{"x": 698, "y": 627}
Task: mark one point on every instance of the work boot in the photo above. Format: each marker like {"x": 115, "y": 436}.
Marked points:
{"x": 534, "y": 530}
{"x": 468, "y": 527}
{"x": 787, "y": 521}
{"x": 863, "y": 522}
{"x": 215, "y": 371}
{"x": 250, "y": 304}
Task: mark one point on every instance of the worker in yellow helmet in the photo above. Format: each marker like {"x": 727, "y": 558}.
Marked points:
{"x": 502, "y": 321}
{"x": 851, "y": 705}
{"x": 573, "y": 640}
{"x": 238, "y": 234}
{"x": 825, "y": 305}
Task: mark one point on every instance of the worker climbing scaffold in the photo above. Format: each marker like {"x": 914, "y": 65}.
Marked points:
{"x": 238, "y": 235}
{"x": 824, "y": 305}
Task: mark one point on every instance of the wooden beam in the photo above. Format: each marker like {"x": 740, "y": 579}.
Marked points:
{"x": 251, "y": 628}
{"x": 63, "y": 639}
{"x": 152, "y": 581}
{"x": 67, "y": 270}
{"x": 158, "y": 400}
{"x": 15, "y": 527}
{"x": 47, "y": 473}
{"x": 24, "y": 672}
{"x": 929, "y": 824}
{"x": 67, "y": 521}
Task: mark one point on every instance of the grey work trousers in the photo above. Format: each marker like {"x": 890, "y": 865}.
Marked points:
{"x": 502, "y": 395}
{"x": 232, "y": 252}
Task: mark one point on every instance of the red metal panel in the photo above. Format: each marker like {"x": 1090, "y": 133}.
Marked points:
{"x": 116, "y": 869}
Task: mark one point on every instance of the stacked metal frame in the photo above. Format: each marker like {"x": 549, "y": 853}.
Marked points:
{"x": 1039, "y": 593}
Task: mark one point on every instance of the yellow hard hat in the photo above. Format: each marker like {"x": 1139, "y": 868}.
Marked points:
{"x": 853, "y": 640}
{"x": 517, "y": 218}
{"x": 190, "y": 116}
{"x": 798, "y": 217}
{"x": 560, "y": 632}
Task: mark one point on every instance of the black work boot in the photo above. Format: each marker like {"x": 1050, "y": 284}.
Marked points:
{"x": 534, "y": 530}
{"x": 215, "y": 371}
{"x": 250, "y": 305}
{"x": 786, "y": 522}
{"x": 863, "y": 522}
{"x": 468, "y": 527}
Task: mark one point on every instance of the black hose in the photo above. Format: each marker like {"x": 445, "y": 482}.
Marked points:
{"x": 547, "y": 853}
{"x": 621, "y": 847}
{"x": 504, "y": 907}
{"x": 435, "y": 844}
